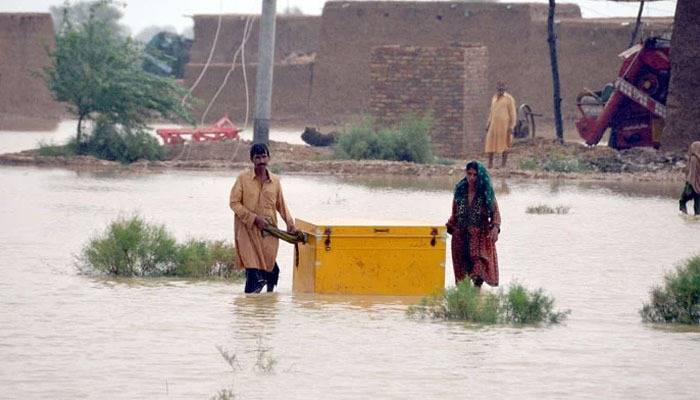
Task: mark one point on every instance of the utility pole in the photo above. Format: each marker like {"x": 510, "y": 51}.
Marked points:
{"x": 552, "y": 39}
{"x": 263, "y": 88}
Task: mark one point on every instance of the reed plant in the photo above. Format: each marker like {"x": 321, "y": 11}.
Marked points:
{"x": 132, "y": 247}
{"x": 464, "y": 302}
{"x": 678, "y": 300}
{"x": 545, "y": 209}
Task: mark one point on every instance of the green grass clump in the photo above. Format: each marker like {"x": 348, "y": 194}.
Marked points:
{"x": 555, "y": 162}
{"x": 528, "y": 164}
{"x": 132, "y": 247}
{"x": 560, "y": 163}
{"x": 53, "y": 150}
{"x": 464, "y": 302}
{"x": 678, "y": 301}
{"x": 522, "y": 306}
{"x": 408, "y": 141}
{"x": 545, "y": 209}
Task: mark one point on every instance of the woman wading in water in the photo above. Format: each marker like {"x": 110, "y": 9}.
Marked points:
{"x": 475, "y": 224}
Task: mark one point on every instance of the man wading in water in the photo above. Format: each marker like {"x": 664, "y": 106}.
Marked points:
{"x": 255, "y": 199}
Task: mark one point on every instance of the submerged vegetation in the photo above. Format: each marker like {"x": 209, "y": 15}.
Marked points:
{"x": 678, "y": 300}
{"x": 516, "y": 305}
{"x": 545, "y": 209}
{"x": 131, "y": 247}
{"x": 408, "y": 141}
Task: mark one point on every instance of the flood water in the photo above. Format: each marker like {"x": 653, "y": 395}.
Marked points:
{"x": 65, "y": 335}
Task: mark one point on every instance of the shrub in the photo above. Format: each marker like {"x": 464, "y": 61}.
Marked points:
{"x": 52, "y": 150}
{"x": 111, "y": 142}
{"x": 678, "y": 301}
{"x": 555, "y": 162}
{"x": 545, "y": 209}
{"x": 408, "y": 141}
{"x": 516, "y": 306}
{"x": 200, "y": 258}
{"x": 560, "y": 163}
{"x": 530, "y": 307}
{"x": 132, "y": 247}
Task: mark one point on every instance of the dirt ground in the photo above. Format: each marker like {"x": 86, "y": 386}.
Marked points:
{"x": 535, "y": 158}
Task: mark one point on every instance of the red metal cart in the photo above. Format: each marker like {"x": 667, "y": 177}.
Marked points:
{"x": 223, "y": 129}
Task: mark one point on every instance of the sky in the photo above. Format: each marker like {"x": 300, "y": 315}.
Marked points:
{"x": 139, "y": 14}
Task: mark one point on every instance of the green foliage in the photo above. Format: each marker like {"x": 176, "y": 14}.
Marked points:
{"x": 53, "y": 150}
{"x": 118, "y": 143}
{"x": 132, "y": 247}
{"x": 529, "y": 307}
{"x": 555, "y": 162}
{"x": 224, "y": 394}
{"x": 97, "y": 72}
{"x": 678, "y": 301}
{"x": 201, "y": 258}
{"x": 528, "y": 164}
{"x": 560, "y": 163}
{"x": 545, "y": 209}
{"x": 79, "y": 13}
{"x": 409, "y": 141}
{"x": 464, "y": 302}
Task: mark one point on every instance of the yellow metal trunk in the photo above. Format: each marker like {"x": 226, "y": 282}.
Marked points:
{"x": 388, "y": 259}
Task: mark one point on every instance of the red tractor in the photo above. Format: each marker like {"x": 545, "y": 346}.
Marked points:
{"x": 634, "y": 106}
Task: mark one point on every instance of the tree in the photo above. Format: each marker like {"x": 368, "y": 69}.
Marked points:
{"x": 79, "y": 13}
{"x": 552, "y": 40}
{"x": 99, "y": 74}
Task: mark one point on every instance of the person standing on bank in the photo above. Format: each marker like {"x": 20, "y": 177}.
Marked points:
{"x": 255, "y": 199}
{"x": 499, "y": 128}
{"x": 691, "y": 191}
{"x": 474, "y": 225}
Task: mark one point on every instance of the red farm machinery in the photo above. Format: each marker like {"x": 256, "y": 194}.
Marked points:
{"x": 223, "y": 129}
{"x": 634, "y": 106}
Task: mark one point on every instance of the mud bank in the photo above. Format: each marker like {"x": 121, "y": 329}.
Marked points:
{"x": 529, "y": 159}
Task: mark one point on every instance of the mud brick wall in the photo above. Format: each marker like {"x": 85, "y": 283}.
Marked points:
{"x": 290, "y": 92}
{"x": 447, "y": 83}
{"x": 293, "y": 34}
{"x": 683, "y": 125}
{"x": 25, "y": 102}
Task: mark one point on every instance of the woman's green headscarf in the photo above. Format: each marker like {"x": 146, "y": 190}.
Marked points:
{"x": 483, "y": 184}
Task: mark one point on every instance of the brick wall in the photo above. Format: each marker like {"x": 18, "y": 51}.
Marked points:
{"x": 25, "y": 102}
{"x": 448, "y": 83}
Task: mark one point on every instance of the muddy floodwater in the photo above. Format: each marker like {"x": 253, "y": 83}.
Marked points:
{"x": 69, "y": 336}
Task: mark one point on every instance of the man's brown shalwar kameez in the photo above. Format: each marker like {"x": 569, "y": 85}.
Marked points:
{"x": 249, "y": 197}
